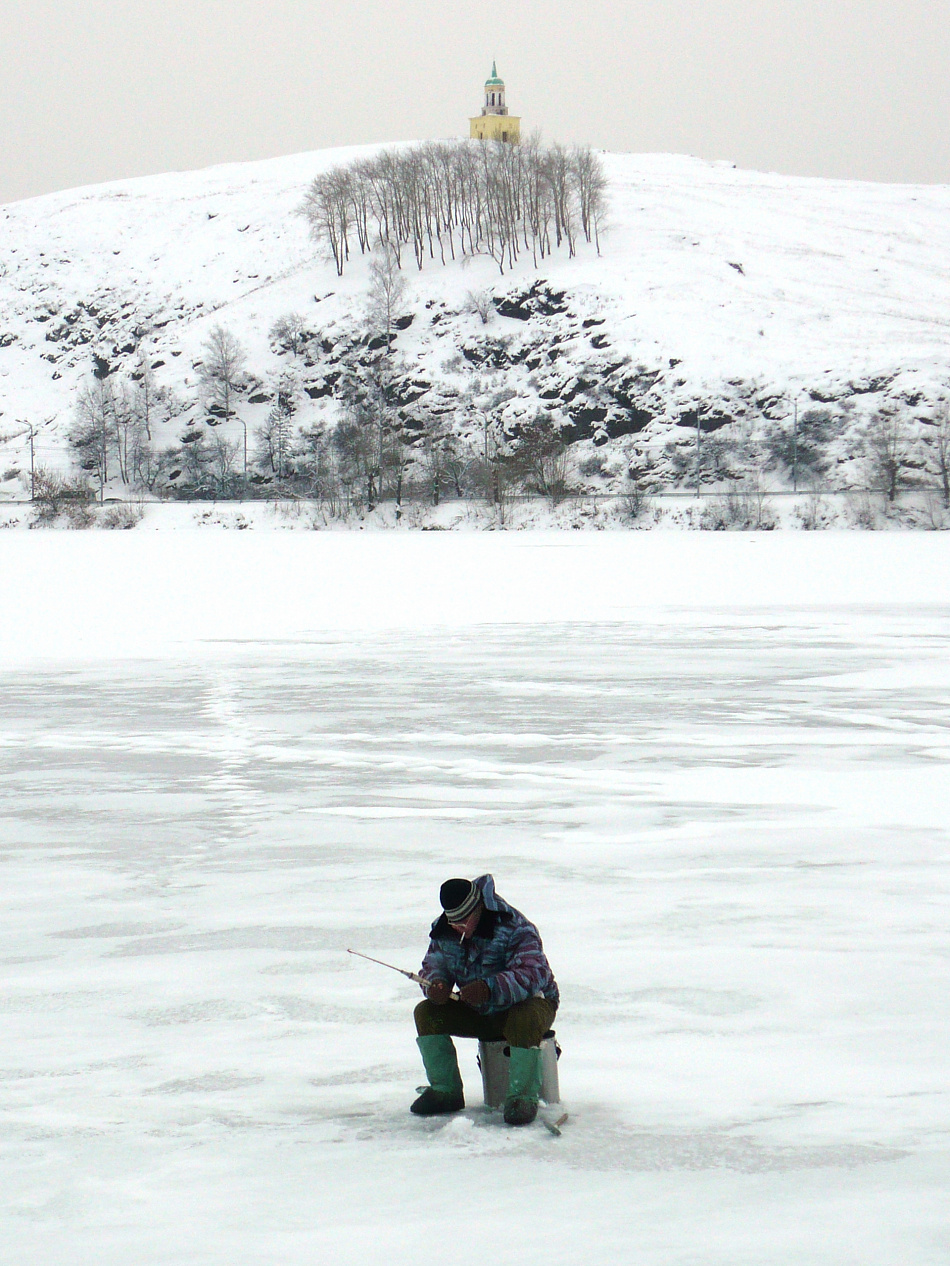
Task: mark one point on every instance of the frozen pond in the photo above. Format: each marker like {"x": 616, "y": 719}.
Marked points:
{"x": 731, "y": 830}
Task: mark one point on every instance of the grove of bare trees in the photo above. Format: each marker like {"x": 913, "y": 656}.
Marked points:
{"x": 444, "y": 199}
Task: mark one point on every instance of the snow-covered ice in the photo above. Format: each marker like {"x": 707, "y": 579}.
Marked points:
{"x": 713, "y": 769}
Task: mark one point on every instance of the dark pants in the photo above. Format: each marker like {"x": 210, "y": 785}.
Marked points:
{"x": 524, "y": 1024}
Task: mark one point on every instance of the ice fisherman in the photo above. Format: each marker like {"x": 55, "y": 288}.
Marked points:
{"x": 506, "y": 991}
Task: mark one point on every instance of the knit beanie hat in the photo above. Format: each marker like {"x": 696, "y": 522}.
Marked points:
{"x": 459, "y": 898}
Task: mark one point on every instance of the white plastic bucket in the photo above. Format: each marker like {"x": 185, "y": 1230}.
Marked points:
{"x": 493, "y": 1061}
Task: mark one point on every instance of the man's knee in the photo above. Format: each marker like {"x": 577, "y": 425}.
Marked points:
{"x": 427, "y": 1018}
{"x": 527, "y": 1022}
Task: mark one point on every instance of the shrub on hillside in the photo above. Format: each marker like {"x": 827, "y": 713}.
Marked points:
{"x": 120, "y": 518}
{"x": 740, "y": 510}
{"x": 56, "y": 496}
{"x": 803, "y": 447}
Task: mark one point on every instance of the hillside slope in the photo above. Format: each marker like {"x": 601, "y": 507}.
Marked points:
{"x": 720, "y": 298}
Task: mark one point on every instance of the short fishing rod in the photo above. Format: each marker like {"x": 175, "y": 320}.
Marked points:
{"x": 410, "y": 975}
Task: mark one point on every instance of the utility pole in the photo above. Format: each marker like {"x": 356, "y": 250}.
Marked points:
{"x": 244, "y": 424}
{"x": 32, "y": 434}
{"x": 795, "y": 447}
{"x": 699, "y": 434}
{"x": 491, "y": 464}
{"x": 281, "y": 422}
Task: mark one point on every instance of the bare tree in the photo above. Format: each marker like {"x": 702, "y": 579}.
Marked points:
{"x": 290, "y": 332}
{"x": 222, "y": 368}
{"x": 126, "y": 424}
{"x": 459, "y": 461}
{"x": 286, "y": 400}
{"x": 493, "y": 469}
{"x": 636, "y": 498}
{"x": 317, "y": 464}
{"x": 148, "y": 392}
{"x": 357, "y": 454}
{"x": 146, "y": 462}
{"x": 397, "y": 459}
{"x": 93, "y": 433}
{"x": 481, "y": 303}
{"x": 558, "y": 165}
{"x": 221, "y": 461}
{"x": 275, "y": 437}
{"x": 196, "y": 459}
{"x": 437, "y": 449}
{"x": 387, "y": 289}
{"x": 886, "y": 449}
{"x": 541, "y": 458}
{"x": 937, "y": 439}
{"x": 55, "y": 494}
{"x": 590, "y": 183}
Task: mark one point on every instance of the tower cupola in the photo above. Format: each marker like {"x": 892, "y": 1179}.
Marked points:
{"x": 495, "y": 123}
{"x": 494, "y": 94}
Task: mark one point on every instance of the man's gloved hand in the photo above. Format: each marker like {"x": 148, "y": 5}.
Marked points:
{"x": 475, "y": 994}
{"x": 438, "y": 992}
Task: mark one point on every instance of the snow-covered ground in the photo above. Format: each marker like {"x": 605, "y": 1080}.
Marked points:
{"x": 728, "y": 293}
{"x": 713, "y": 769}
{"x": 841, "y": 276}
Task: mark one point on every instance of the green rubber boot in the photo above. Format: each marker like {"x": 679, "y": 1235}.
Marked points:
{"x": 444, "y": 1091}
{"x": 524, "y": 1085}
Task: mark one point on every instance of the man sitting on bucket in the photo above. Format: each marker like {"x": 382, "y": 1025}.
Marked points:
{"x": 506, "y": 992}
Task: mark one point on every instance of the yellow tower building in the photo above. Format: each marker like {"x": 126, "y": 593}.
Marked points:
{"x": 495, "y": 123}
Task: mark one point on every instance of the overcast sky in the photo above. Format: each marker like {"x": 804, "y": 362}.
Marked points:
{"x": 92, "y": 90}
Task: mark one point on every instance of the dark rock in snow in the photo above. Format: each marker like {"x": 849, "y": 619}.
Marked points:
{"x": 871, "y": 386}
{"x": 537, "y": 300}
{"x": 708, "y": 422}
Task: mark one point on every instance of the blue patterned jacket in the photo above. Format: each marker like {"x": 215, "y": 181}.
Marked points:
{"x": 505, "y": 952}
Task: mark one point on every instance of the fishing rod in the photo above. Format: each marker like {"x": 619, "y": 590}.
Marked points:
{"x": 410, "y": 975}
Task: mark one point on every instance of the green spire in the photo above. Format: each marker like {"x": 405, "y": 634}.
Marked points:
{"x": 494, "y": 81}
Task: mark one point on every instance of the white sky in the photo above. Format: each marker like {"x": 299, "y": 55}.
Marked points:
{"x": 92, "y": 90}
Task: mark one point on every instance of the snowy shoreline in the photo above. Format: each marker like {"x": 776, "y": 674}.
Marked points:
{"x": 736, "y": 509}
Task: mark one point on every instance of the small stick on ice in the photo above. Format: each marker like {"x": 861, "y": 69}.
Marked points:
{"x": 555, "y": 1126}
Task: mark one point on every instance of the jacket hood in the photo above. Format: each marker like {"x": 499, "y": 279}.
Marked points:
{"x": 486, "y": 885}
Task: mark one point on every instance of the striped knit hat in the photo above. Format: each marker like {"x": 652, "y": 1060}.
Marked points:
{"x": 459, "y": 898}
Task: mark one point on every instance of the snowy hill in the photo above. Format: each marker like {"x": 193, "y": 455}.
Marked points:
{"x": 720, "y": 297}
